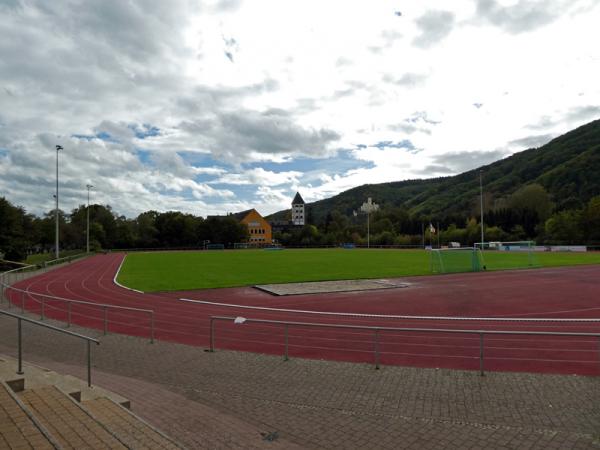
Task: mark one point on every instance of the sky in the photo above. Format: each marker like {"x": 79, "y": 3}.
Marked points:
{"x": 210, "y": 107}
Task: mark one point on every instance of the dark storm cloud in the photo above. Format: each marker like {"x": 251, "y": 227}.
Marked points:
{"x": 434, "y": 26}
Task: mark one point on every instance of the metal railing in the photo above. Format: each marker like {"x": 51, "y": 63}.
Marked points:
{"x": 42, "y": 299}
{"x": 377, "y": 330}
{"x": 20, "y": 319}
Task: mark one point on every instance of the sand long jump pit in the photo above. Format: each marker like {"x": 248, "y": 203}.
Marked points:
{"x": 324, "y": 287}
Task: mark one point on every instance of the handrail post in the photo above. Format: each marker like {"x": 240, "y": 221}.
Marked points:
{"x": 481, "y": 354}
{"x": 377, "y": 349}
{"x": 69, "y": 314}
{"x": 89, "y": 363}
{"x": 20, "y": 368}
{"x": 8, "y": 299}
{"x": 152, "y": 327}
{"x": 285, "y": 332}
{"x": 105, "y": 320}
{"x": 212, "y": 335}
{"x": 22, "y": 302}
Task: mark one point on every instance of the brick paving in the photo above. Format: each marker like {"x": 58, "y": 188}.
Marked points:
{"x": 127, "y": 427}
{"x": 227, "y": 399}
{"x": 17, "y": 430}
{"x": 66, "y": 421}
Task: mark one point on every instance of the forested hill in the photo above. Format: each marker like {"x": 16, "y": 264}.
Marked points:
{"x": 568, "y": 168}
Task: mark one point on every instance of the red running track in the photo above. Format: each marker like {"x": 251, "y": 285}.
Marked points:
{"x": 543, "y": 293}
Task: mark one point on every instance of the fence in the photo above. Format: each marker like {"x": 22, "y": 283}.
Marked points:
{"x": 16, "y": 275}
{"x": 21, "y": 319}
{"x": 378, "y": 330}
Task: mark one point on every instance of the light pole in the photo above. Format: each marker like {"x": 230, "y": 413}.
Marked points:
{"x": 368, "y": 207}
{"x": 56, "y": 250}
{"x": 481, "y": 204}
{"x": 87, "y": 237}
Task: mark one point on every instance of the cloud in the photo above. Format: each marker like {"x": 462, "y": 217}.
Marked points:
{"x": 584, "y": 113}
{"x": 575, "y": 115}
{"x": 532, "y": 141}
{"x": 154, "y": 125}
{"x": 407, "y": 79}
{"x": 457, "y": 162}
{"x": 239, "y": 136}
{"x": 343, "y": 62}
{"x": 434, "y": 26}
{"x": 405, "y": 144}
{"x": 408, "y": 128}
{"x": 227, "y": 5}
{"x": 524, "y": 15}
{"x": 418, "y": 122}
{"x": 260, "y": 177}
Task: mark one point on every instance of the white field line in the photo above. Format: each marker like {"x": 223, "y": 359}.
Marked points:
{"x": 384, "y": 316}
{"x": 119, "y": 284}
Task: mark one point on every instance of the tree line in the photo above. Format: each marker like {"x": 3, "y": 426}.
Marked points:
{"x": 22, "y": 233}
{"x": 528, "y": 214}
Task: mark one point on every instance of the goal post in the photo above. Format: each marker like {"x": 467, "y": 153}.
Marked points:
{"x": 455, "y": 260}
{"x": 509, "y": 254}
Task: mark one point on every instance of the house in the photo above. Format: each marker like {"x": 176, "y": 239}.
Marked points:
{"x": 258, "y": 228}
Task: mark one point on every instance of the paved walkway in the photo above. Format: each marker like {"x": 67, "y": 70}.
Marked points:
{"x": 227, "y": 399}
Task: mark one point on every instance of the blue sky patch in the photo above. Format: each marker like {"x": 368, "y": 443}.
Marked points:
{"x": 406, "y": 143}
{"x": 103, "y": 135}
{"x": 144, "y": 131}
{"x": 144, "y": 156}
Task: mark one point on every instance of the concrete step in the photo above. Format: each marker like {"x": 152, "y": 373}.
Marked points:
{"x": 36, "y": 376}
{"x": 18, "y": 428}
{"x": 72, "y": 426}
{"x": 128, "y": 427}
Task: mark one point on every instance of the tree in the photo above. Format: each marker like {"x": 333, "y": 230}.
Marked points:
{"x": 532, "y": 197}
{"x": 564, "y": 227}
{"x": 591, "y": 220}
{"x": 222, "y": 230}
{"x": 145, "y": 230}
{"x": 15, "y": 231}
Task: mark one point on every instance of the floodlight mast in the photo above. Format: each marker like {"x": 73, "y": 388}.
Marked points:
{"x": 56, "y": 243}
{"x": 481, "y": 205}
{"x": 368, "y": 207}
{"x": 87, "y": 237}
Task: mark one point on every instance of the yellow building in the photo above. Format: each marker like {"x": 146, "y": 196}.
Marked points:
{"x": 258, "y": 228}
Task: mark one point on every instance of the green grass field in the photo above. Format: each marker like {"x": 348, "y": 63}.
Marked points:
{"x": 166, "y": 271}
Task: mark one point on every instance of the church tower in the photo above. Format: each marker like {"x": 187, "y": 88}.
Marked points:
{"x": 298, "y": 210}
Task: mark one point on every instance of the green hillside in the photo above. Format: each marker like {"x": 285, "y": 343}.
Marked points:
{"x": 567, "y": 167}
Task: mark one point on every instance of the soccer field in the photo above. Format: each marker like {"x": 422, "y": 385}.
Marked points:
{"x": 169, "y": 271}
